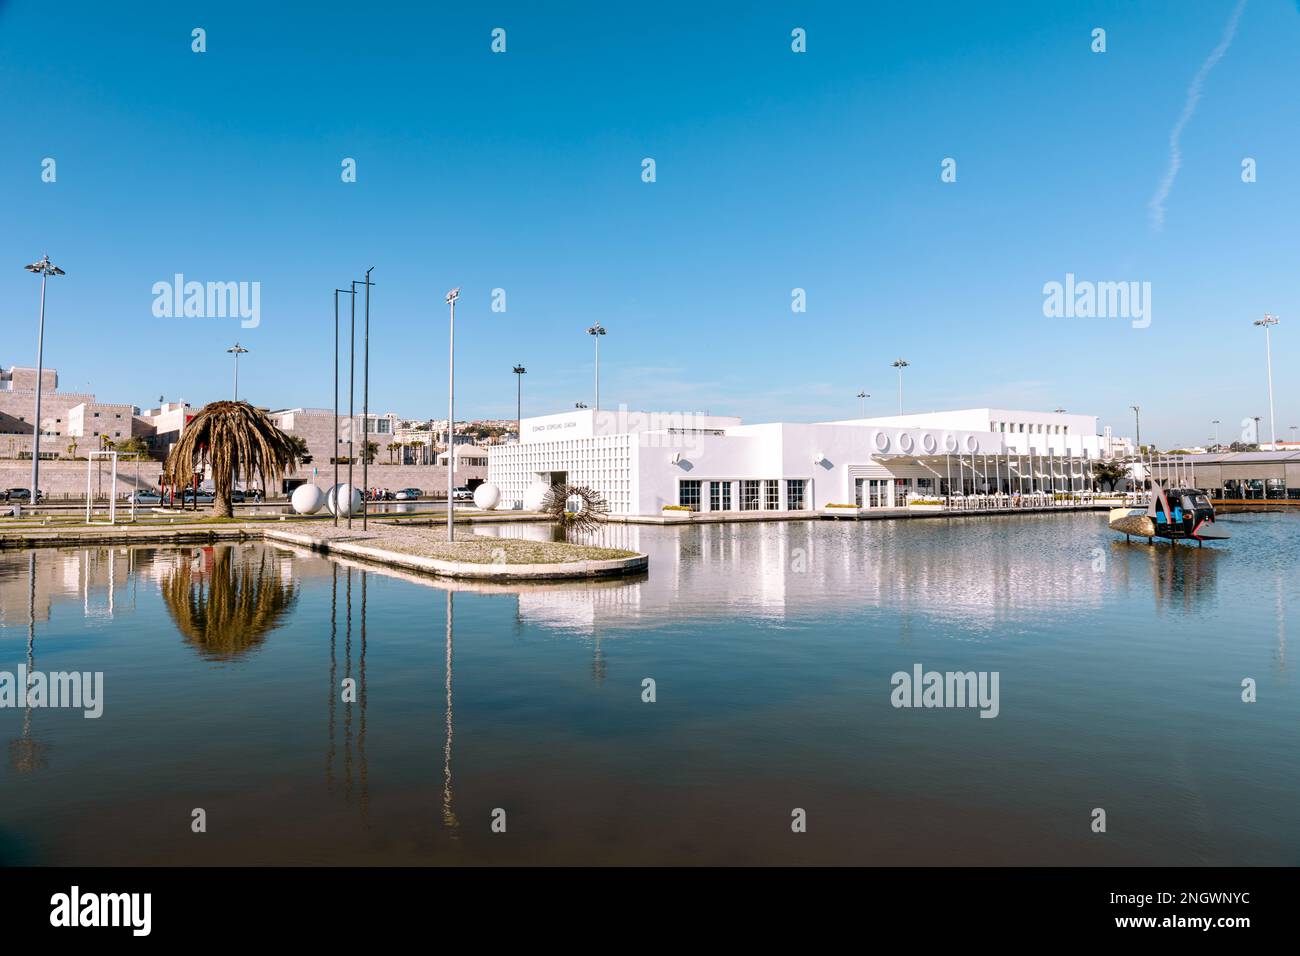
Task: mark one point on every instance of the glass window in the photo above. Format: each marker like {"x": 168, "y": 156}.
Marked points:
{"x": 794, "y": 490}
{"x": 719, "y": 496}
{"x": 749, "y": 495}
{"x": 773, "y": 499}
{"x": 688, "y": 494}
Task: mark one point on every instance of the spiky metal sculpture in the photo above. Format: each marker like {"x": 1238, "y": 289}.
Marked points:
{"x": 591, "y": 507}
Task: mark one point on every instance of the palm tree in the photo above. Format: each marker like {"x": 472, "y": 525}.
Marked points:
{"x": 300, "y": 448}
{"x": 392, "y": 447}
{"x": 72, "y": 447}
{"x": 238, "y": 441}
{"x": 105, "y": 443}
{"x": 371, "y": 450}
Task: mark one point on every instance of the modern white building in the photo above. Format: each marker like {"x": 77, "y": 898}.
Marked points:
{"x": 641, "y": 462}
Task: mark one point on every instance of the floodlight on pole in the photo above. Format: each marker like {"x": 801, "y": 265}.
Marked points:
{"x": 596, "y": 331}
{"x": 451, "y": 298}
{"x": 44, "y": 269}
{"x": 520, "y": 371}
{"x": 237, "y": 350}
{"x": 1267, "y": 323}
{"x": 900, "y": 364}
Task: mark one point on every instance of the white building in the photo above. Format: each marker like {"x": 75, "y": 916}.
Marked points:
{"x": 641, "y": 462}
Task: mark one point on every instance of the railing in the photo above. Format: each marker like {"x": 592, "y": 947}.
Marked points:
{"x": 1041, "y": 500}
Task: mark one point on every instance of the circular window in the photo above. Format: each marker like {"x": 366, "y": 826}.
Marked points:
{"x": 929, "y": 443}
{"x": 949, "y": 442}
{"x": 972, "y": 443}
{"x": 905, "y": 442}
{"x": 881, "y": 441}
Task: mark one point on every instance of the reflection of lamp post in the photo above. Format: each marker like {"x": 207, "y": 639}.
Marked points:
{"x": 1267, "y": 323}
{"x": 519, "y": 400}
{"x": 900, "y": 364}
{"x": 44, "y": 269}
{"x": 25, "y": 754}
{"x": 452, "y": 296}
{"x": 448, "y": 814}
{"x": 237, "y": 350}
{"x": 596, "y": 331}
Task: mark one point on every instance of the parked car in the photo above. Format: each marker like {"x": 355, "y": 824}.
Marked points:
{"x": 237, "y": 497}
{"x": 462, "y": 494}
{"x": 204, "y": 497}
{"x": 143, "y": 496}
{"x": 408, "y": 494}
{"x": 23, "y": 494}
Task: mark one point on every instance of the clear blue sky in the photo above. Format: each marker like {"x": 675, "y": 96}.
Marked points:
{"x": 775, "y": 170}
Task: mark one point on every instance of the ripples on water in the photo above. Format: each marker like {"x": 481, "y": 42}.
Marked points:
{"x": 771, "y": 646}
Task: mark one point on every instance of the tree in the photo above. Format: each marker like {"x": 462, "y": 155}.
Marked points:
{"x": 371, "y": 450}
{"x": 392, "y": 447}
{"x": 133, "y": 447}
{"x": 1110, "y": 472}
{"x": 237, "y": 441}
{"x": 72, "y": 447}
{"x": 300, "y": 448}
{"x": 105, "y": 443}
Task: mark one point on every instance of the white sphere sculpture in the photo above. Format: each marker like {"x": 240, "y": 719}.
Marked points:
{"x": 343, "y": 500}
{"x": 535, "y": 494}
{"x": 487, "y": 496}
{"x": 307, "y": 499}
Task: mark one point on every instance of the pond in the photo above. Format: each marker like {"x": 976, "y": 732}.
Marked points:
{"x": 309, "y": 711}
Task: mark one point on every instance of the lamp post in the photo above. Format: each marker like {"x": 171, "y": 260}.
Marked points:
{"x": 337, "y": 293}
{"x": 1137, "y": 420}
{"x": 596, "y": 331}
{"x": 1215, "y": 423}
{"x": 452, "y": 296}
{"x": 365, "y": 413}
{"x": 520, "y": 371}
{"x": 1257, "y": 442}
{"x": 237, "y": 350}
{"x": 900, "y": 364}
{"x": 44, "y": 269}
{"x": 1267, "y": 323}
{"x": 864, "y": 396}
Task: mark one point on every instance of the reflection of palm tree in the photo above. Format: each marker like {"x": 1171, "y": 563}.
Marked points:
{"x": 228, "y": 610}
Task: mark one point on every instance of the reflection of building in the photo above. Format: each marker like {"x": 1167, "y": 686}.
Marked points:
{"x": 641, "y": 462}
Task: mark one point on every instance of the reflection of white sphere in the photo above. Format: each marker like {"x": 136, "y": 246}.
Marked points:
{"x": 535, "y": 494}
{"x": 343, "y": 500}
{"x": 307, "y": 499}
{"x": 487, "y": 495}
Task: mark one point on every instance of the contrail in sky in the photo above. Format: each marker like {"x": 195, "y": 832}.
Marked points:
{"x": 1157, "y": 204}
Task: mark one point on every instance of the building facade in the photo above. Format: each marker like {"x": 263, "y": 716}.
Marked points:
{"x": 642, "y": 462}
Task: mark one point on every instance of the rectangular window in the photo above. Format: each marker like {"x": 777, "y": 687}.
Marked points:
{"x": 749, "y": 491}
{"x": 719, "y": 496}
{"x": 794, "y": 489}
{"x": 773, "y": 500}
{"x": 688, "y": 494}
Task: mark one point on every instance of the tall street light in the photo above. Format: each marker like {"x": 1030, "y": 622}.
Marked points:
{"x": 452, "y": 296}
{"x": 1267, "y": 323}
{"x": 1215, "y": 423}
{"x": 864, "y": 396}
{"x": 520, "y": 371}
{"x": 1137, "y": 422}
{"x": 44, "y": 269}
{"x": 596, "y": 331}
{"x": 365, "y": 413}
{"x": 237, "y": 350}
{"x": 900, "y": 364}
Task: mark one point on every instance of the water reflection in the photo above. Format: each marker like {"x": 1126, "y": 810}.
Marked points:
{"x": 26, "y": 753}
{"x": 225, "y": 601}
{"x": 351, "y": 692}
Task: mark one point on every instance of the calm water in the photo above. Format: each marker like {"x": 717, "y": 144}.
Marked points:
{"x": 772, "y": 647}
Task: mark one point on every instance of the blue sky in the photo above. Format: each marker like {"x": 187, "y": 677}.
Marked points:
{"x": 775, "y": 170}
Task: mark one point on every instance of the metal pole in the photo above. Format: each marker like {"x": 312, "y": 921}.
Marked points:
{"x": 365, "y": 412}
{"x": 597, "y": 338}
{"x": 36, "y": 423}
{"x": 335, "y": 456}
{"x": 1272, "y": 422}
{"x": 352, "y": 393}
{"x": 451, "y": 410}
